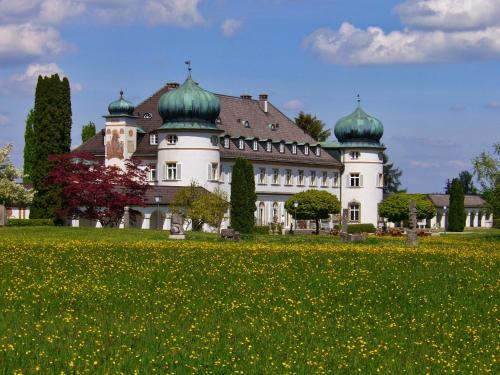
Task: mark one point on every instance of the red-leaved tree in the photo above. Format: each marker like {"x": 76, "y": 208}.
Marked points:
{"x": 94, "y": 191}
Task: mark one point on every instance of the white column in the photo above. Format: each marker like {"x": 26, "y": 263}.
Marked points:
{"x": 147, "y": 221}
{"x": 476, "y": 219}
{"x": 75, "y": 223}
{"x": 467, "y": 220}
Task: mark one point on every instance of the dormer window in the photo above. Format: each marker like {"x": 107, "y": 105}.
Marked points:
{"x": 294, "y": 148}
{"x": 269, "y": 146}
{"x": 318, "y": 151}
{"x": 282, "y": 147}
{"x": 241, "y": 144}
{"x": 246, "y": 123}
{"x": 147, "y": 116}
{"x": 218, "y": 121}
{"x": 255, "y": 145}
{"x": 153, "y": 139}
{"x": 306, "y": 149}
{"x": 226, "y": 142}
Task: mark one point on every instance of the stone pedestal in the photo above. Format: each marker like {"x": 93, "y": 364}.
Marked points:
{"x": 411, "y": 233}
{"x": 3, "y": 216}
{"x": 177, "y": 237}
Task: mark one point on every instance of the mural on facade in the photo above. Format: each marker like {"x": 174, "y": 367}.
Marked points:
{"x": 114, "y": 148}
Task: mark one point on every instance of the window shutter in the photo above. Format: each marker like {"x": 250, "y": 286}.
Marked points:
{"x": 361, "y": 180}
{"x": 179, "y": 175}
{"x": 164, "y": 171}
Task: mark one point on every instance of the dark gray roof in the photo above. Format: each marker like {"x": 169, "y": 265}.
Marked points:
{"x": 441, "y": 200}
{"x": 235, "y": 111}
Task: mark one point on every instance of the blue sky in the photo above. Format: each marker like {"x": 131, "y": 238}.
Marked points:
{"x": 429, "y": 69}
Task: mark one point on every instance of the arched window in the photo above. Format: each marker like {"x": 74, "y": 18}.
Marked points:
{"x": 261, "y": 214}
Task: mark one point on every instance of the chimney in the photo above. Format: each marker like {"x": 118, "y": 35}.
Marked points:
{"x": 246, "y": 96}
{"x": 263, "y": 102}
{"x": 172, "y": 85}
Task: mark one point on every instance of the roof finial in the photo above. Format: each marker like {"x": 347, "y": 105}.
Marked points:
{"x": 358, "y": 99}
{"x": 121, "y": 94}
{"x": 188, "y": 63}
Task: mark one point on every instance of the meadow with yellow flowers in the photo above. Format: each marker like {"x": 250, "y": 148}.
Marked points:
{"x": 127, "y": 301}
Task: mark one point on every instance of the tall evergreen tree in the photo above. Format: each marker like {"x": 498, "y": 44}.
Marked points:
{"x": 243, "y": 196}
{"x": 52, "y": 128}
{"x": 456, "y": 218}
{"x": 29, "y": 139}
{"x": 88, "y": 131}
{"x": 447, "y": 186}
{"x": 312, "y": 126}
{"x": 392, "y": 176}
{"x": 466, "y": 179}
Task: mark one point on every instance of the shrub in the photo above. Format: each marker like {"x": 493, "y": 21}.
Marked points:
{"x": 261, "y": 229}
{"x": 30, "y": 222}
{"x": 360, "y": 228}
{"x": 456, "y": 218}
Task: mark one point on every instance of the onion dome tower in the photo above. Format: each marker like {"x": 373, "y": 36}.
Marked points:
{"x": 188, "y": 140}
{"x": 360, "y": 150}
{"x": 121, "y": 134}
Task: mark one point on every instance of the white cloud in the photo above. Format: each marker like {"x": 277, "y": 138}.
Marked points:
{"x": 24, "y": 41}
{"x": 424, "y": 164}
{"x": 458, "y": 163}
{"x": 175, "y": 12}
{"x": 4, "y": 119}
{"x": 352, "y": 46}
{"x": 494, "y": 104}
{"x": 25, "y": 83}
{"x": 450, "y": 14}
{"x": 231, "y": 26}
{"x": 293, "y": 105}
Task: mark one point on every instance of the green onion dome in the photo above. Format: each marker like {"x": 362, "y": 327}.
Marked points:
{"x": 121, "y": 107}
{"x": 359, "y": 128}
{"x": 189, "y": 107}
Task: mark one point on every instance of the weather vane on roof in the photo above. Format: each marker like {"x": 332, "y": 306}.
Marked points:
{"x": 188, "y": 63}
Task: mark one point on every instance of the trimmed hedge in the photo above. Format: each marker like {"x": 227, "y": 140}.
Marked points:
{"x": 262, "y": 229}
{"x": 30, "y": 222}
{"x": 360, "y": 228}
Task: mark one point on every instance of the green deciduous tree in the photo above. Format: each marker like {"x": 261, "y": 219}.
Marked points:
{"x": 312, "y": 126}
{"x": 392, "y": 176}
{"x": 29, "y": 145}
{"x": 52, "y": 134}
{"x": 396, "y": 207}
{"x": 313, "y": 205}
{"x": 88, "y": 131}
{"x": 11, "y": 193}
{"x": 243, "y": 196}
{"x": 456, "y": 213}
{"x": 487, "y": 172}
{"x": 211, "y": 207}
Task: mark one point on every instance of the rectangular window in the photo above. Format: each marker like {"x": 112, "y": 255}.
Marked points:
{"x": 313, "y": 178}
{"x": 355, "y": 180}
{"x": 241, "y": 144}
{"x": 380, "y": 180}
{"x": 152, "y": 173}
{"x": 324, "y": 179}
{"x": 262, "y": 176}
{"x": 213, "y": 171}
{"x": 294, "y": 149}
{"x": 172, "y": 139}
{"x": 282, "y": 147}
{"x": 336, "y": 179}
{"x": 172, "y": 171}
{"x": 268, "y": 146}
{"x": 153, "y": 139}
{"x": 255, "y": 146}
{"x": 301, "y": 178}
{"x": 288, "y": 177}
{"x": 226, "y": 142}
{"x": 276, "y": 176}
{"x": 354, "y": 155}
{"x": 354, "y": 209}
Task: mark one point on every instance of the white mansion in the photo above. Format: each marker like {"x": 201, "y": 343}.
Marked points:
{"x": 185, "y": 134}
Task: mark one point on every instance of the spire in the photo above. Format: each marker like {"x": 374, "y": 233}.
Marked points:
{"x": 121, "y": 94}
{"x": 188, "y": 63}
{"x": 358, "y": 99}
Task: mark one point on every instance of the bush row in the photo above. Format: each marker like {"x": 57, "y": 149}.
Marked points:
{"x": 30, "y": 222}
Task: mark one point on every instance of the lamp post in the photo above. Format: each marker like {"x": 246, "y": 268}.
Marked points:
{"x": 295, "y": 205}
{"x": 157, "y": 200}
{"x": 445, "y": 218}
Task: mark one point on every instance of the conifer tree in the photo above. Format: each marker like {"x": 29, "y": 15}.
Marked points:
{"x": 243, "y": 196}
{"x": 52, "y": 129}
{"x": 29, "y": 139}
{"x": 456, "y": 218}
{"x": 88, "y": 131}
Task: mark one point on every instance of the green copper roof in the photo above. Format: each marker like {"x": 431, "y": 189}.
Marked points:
{"x": 189, "y": 107}
{"x": 338, "y": 145}
{"x": 121, "y": 107}
{"x": 359, "y": 128}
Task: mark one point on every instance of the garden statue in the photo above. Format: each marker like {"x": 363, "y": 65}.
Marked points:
{"x": 176, "y": 227}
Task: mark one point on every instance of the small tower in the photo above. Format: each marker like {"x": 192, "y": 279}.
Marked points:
{"x": 188, "y": 144}
{"x": 120, "y": 139}
{"x": 360, "y": 150}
